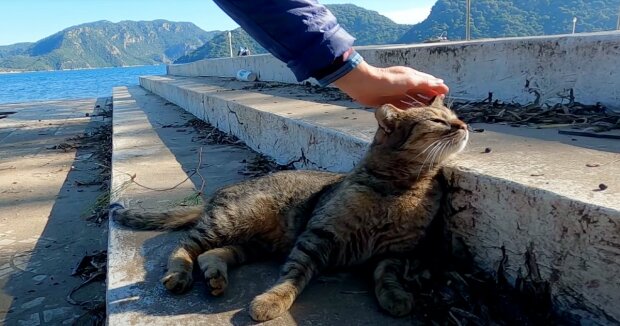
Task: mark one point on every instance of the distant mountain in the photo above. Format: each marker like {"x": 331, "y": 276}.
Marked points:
{"x": 218, "y": 46}
{"x": 106, "y": 44}
{"x": 367, "y": 26}
{"x": 13, "y": 49}
{"x": 504, "y": 18}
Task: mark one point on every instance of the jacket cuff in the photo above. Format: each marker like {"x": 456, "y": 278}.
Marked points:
{"x": 352, "y": 61}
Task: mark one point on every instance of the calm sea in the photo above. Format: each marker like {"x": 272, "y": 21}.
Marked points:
{"x": 70, "y": 84}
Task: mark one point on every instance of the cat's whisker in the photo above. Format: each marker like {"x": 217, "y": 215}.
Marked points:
{"x": 448, "y": 144}
{"x": 427, "y": 147}
{"x": 408, "y": 103}
{"x": 415, "y": 100}
{"x": 436, "y": 155}
{"x": 430, "y": 154}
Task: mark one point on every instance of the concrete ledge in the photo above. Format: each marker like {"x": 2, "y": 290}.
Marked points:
{"x": 523, "y": 70}
{"x": 264, "y": 120}
{"x": 139, "y": 151}
{"x": 532, "y": 200}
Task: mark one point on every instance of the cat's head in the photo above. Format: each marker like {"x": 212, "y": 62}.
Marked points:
{"x": 423, "y": 135}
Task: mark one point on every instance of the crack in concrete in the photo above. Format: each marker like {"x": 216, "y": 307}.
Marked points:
{"x": 303, "y": 160}
{"x": 234, "y": 113}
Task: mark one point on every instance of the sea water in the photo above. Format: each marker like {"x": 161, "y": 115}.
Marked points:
{"x": 70, "y": 84}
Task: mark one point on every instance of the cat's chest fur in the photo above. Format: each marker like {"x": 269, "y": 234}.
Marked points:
{"x": 369, "y": 223}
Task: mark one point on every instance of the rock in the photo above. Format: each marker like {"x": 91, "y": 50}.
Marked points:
{"x": 33, "y": 303}
{"x": 33, "y": 320}
{"x": 56, "y": 314}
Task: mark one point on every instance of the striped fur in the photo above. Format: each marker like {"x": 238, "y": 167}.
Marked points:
{"x": 321, "y": 220}
{"x": 170, "y": 220}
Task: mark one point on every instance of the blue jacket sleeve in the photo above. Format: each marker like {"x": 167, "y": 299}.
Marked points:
{"x": 302, "y": 33}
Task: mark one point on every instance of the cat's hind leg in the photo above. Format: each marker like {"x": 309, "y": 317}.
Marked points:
{"x": 310, "y": 255}
{"x": 178, "y": 278}
{"x": 214, "y": 265}
{"x": 389, "y": 287}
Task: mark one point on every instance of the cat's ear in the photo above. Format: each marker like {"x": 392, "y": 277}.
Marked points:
{"x": 437, "y": 101}
{"x": 386, "y": 117}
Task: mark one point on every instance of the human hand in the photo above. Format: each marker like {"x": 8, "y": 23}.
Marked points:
{"x": 397, "y": 85}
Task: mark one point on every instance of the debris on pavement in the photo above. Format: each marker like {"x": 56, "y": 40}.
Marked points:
{"x": 256, "y": 167}
{"x": 101, "y": 139}
{"x": 210, "y": 134}
{"x": 261, "y": 165}
{"x": 91, "y": 268}
{"x": 449, "y": 290}
{"x": 581, "y": 119}
{"x": 90, "y": 265}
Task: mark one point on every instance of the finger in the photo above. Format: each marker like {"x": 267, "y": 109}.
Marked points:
{"x": 431, "y": 83}
{"x": 440, "y": 89}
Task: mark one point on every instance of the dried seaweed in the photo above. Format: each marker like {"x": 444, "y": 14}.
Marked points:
{"x": 91, "y": 268}
{"x": 210, "y": 134}
{"x": 449, "y": 289}
{"x": 90, "y": 265}
{"x": 100, "y": 138}
{"x": 585, "y": 118}
{"x": 261, "y": 165}
{"x": 328, "y": 93}
{"x": 94, "y": 316}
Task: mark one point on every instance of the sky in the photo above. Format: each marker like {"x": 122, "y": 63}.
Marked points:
{"x": 32, "y": 20}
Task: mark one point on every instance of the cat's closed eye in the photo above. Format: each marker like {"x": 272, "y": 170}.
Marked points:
{"x": 441, "y": 122}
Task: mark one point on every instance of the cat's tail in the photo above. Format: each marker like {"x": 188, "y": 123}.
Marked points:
{"x": 175, "y": 218}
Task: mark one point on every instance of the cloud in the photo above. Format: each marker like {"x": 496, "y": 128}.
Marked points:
{"x": 408, "y": 16}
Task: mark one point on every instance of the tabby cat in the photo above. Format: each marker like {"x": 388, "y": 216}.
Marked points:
{"x": 321, "y": 220}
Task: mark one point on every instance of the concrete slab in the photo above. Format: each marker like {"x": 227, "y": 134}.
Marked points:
{"x": 151, "y": 142}
{"x": 526, "y": 195}
{"x": 43, "y": 234}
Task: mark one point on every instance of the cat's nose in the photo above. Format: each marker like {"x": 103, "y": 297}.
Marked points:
{"x": 458, "y": 124}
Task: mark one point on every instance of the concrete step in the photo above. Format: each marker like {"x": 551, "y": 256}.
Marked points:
{"x": 526, "y": 203}
{"x": 154, "y": 145}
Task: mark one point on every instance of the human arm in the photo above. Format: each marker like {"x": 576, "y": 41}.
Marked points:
{"x": 302, "y": 33}
{"x": 307, "y": 37}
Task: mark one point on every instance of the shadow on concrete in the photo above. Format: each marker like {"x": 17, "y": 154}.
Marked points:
{"x": 551, "y": 134}
{"x": 42, "y": 277}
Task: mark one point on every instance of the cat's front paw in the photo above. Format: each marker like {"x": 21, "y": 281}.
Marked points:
{"x": 396, "y": 302}
{"x": 267, "y": 306}
{"x": 177, "y": 282}
{"x": 217, "y": 280}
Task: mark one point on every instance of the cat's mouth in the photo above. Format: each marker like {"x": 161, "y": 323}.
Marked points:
{"x": 463, "y": 137}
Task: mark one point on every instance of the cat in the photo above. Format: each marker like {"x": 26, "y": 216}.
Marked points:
{"x": 321, "y": 220}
